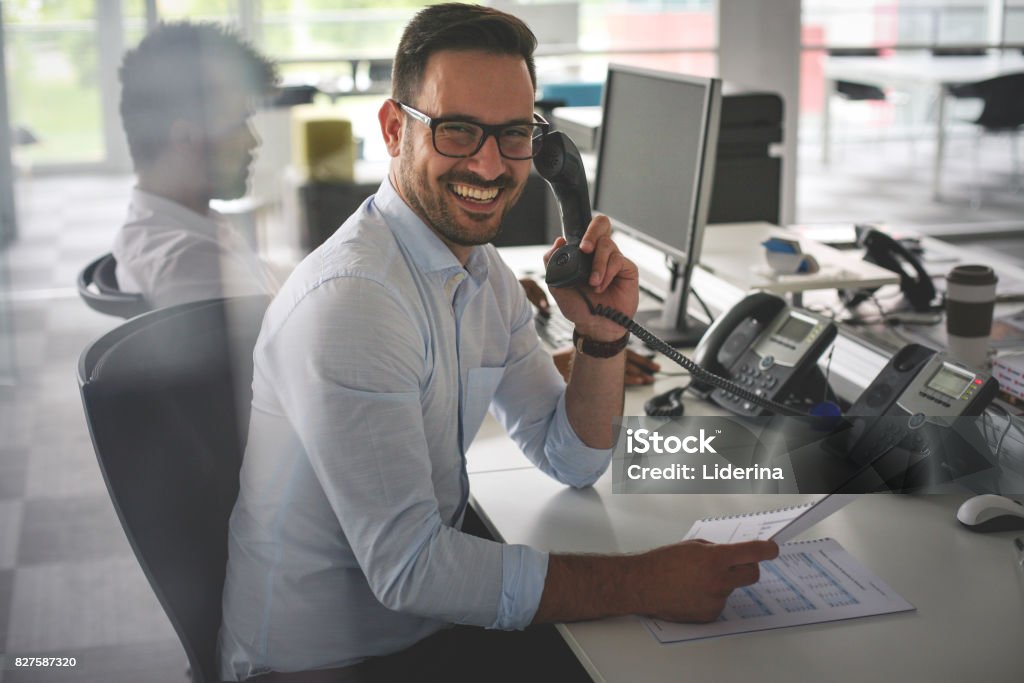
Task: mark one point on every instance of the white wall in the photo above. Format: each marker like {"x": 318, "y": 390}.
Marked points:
{"x": 759, "y": 46}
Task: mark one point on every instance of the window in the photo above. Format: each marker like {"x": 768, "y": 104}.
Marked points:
{"x": 52, "y": 64}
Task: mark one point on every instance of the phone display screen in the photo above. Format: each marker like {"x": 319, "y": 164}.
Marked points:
{"x": 950, "y": 382}
{"x": 795, "y": 329}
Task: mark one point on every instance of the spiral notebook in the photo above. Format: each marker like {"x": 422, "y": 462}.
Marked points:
{"x": 779, "y": 525}
{"x": 810, "y": 582}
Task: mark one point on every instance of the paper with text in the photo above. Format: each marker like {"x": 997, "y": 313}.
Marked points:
{"x": 809, "y": 582}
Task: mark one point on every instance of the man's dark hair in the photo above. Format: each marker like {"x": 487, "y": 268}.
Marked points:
{"x": 456, "y": 26}
{"x": 164, "y": 79}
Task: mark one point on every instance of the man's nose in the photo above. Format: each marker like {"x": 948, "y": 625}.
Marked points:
{"x": 488, "y": 162}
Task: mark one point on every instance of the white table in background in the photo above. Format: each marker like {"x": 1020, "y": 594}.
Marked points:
{"x": 938, "y": 73}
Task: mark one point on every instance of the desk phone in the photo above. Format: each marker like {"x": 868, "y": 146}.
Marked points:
{"x": 764, "y": 345}
{"x": 909, "y": 412}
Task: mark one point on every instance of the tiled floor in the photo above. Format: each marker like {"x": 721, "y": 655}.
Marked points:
{"x": 69, "y": 585}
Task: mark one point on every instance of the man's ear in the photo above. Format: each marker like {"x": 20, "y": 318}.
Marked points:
{"x": 392, "y": 121}
{"x": 182, "y": 133}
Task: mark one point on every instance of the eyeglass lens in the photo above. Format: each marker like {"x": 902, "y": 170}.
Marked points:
{"x": 455, "y": 138}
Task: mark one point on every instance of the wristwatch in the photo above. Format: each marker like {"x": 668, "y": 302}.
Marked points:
{"x": 597, "y": 349}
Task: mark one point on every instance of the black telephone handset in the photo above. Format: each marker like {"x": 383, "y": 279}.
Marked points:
{"x": 883, "y": 250}
{"x": 560, "y": 164}
{"x": 908, "y": 416}
{"x": 763, "y": 345}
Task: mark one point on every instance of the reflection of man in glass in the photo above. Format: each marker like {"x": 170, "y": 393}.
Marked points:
{"x": 188, "y": 92}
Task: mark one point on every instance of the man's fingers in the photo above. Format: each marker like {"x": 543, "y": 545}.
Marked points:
{"x": 550, "y": 252}
{"x": 642, "y": 362}
{"x": 751, "y": 552}
{"x": 535, "y": 293}
{"x": 744, "y": 574}
{"x": 599, "y": 227}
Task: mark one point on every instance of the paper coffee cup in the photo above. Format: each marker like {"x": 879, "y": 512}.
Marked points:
{"x": 970, "y": 300}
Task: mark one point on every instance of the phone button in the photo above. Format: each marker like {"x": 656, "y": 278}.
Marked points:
{"x": 766, "y": 362}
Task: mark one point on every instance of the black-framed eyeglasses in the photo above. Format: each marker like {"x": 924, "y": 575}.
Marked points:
{"x": 461, "y": 139}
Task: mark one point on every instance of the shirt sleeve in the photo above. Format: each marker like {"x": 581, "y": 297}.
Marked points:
{"x": 348, "y": 364}
{"x": 530, "y": 404}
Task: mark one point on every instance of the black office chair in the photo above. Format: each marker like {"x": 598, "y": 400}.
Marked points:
{"x": 97, "y": 285}
{"x": 852, "y": 90}
{"x": 1002, "y": 111}
{"x": 379, "y": 73}
{"x": 959, "y": 51}
{"x": 166, "y": 397}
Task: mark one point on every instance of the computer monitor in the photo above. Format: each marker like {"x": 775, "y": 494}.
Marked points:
{"x": 655, "y": 165}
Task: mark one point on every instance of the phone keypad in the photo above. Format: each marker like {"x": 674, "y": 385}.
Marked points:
{"x": 754, "y": 377}
{"x": 934, "y": 397}
{"x": 750, "y": 377}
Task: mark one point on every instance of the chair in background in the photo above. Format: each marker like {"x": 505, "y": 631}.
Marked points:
{"x": 97, "y": 285}
{"x": 959, "y": 52}
{"x": 1002, "y": 113}
{"x": 378, "y": 72}
{"x": 853, "y": 91}
{"x": 166, "y": 398}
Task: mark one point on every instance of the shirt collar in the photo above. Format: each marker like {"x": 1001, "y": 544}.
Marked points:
{"x": 426, "y": 249}
{"x": 147, "y": 201}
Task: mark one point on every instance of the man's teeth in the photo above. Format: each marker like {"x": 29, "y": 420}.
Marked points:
{"x": 479, "y": 194}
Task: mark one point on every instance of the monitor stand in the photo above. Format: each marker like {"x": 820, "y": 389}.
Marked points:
{"x": 672, "y": 324}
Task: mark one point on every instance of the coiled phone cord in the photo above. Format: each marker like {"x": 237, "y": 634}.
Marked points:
{"x": 696, "y": 371}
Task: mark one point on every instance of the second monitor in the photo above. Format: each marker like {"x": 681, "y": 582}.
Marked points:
{"x": 656, "y": 163}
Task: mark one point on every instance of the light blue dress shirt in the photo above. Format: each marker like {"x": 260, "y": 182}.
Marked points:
{"x": 374, "y": 369}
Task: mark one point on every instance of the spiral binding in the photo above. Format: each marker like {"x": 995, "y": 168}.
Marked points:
{"x": 696, "y": 371}
{"x": 807, "y": 541}
{"x": 791, "y": 508}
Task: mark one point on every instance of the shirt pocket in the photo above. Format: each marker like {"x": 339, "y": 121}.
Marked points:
{"x": 480, "y": 387}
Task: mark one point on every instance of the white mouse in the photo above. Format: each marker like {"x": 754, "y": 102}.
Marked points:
{"x": 989, "y": 512}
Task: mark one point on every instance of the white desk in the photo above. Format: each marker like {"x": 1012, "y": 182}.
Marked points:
{"x": 938, "y": 73}
{"x": 733, "y": 252}
{"x": 969, "y": 623}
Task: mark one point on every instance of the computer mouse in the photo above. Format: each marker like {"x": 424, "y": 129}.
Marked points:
{"x": 989, "y": 512}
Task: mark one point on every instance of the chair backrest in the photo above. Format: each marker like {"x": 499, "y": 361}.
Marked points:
{"x": 166, "y": 397}
{"x": 958, "y": 51}
{"x": 1004, "y": 102}
{"x": 97, "y": 285}
{"x": 853, "y": 90}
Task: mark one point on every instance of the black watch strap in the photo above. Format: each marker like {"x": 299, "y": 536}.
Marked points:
{"x": 598, "y": 349}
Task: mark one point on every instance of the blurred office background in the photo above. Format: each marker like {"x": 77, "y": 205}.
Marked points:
{"x": 69, "y": 585}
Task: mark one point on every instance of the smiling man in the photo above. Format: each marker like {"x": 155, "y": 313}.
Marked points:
{"x": 349, "y": 552}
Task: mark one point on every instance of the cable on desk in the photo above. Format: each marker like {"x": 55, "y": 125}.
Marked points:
{"x": 998, "y": 455}
{"x": 707, "y": 311}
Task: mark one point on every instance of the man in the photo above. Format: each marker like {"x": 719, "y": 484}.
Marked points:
{"x": 188, "y": 92}
{"x": 373, "y": 371}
